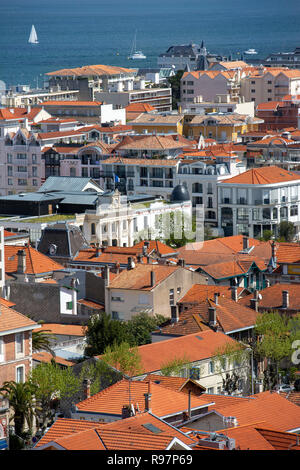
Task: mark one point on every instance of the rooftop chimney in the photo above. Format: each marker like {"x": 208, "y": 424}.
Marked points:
{"x": 139, "y": 258}
{"x": 285, "y": 299}
{"x": 106, "y": 275}
{"x": 145, "y": 248}
{"x": 212, "y": 317}
{"x": 268, "y": 283}
{"x": 21, "y": 262}
{"x": 130, "y": 263}
{"x": 216, "y": 298}
{"x": 148, "y": 397}
{"x": 181, "y": 262}
{"x": 174, "y": 313}
{"x": 274, "y": 250}
{"x": 254, "y": 304}
{"x": 245, "y": 243}
{"x": 152, "y": 278}
{"x": 87, "y": 388}
{"x": 234, "y": 295}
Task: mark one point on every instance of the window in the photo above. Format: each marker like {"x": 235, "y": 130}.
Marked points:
{"x": 178, "y": 290}
{"x": 269, "y": 90}
{"x": 21, "y": 156}
{"x": 93, "y": 229}
{"x": 9, "y": 171}
{"x": 22, "y": 169}
{"x": 20, "y": 375}
{"x": 211, "y": 367}
{"x": 253, "y": 82}
{"x": 210, "y": 390}
{"x": 171, "y": 296}
{"x": 252, "y": 91}
{"x": 22, "y": 182}
{"x": 117, "y": 299}
{"x": 69, "y": 305}
{"x": 9, "y": 158}
{"x": 190, "y": 92}
{"x": 195, "y": 373}
{"x": 19, "y": 340}
{"x": 269, "y": 82}
{"x": 143, "y": 299}
{"x": 294, "y": 210}
{"x": 34, "y": 183}
{"x": 34, "y": 171}
{"x": 190, "y": 82}
{"x": 34, "y": 158}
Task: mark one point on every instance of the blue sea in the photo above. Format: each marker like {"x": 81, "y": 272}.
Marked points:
{"x": 73, "y": 33}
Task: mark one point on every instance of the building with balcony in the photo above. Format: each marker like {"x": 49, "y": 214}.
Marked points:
{"x": 258, "y": 200}
{"x": 265, "y": 84}
{"x": 22, "y": 167}
{"x": 221, "y": 127}
{"x": 278, "y": 115}
{"x": 91, "y": 79}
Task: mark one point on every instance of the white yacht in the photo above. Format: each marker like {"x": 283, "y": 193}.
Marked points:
{"x": 134, "y": 54}
{"x": 250, "y": 52}
{"x": 33, "y": 39}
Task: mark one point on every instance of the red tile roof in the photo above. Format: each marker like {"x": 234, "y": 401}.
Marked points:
{"x": 139, "y": 278}
{"x": 92, "y": 70}
{"x": 271, "y": 297}
{"x": 263, "y": 175}
{"x": 72, "y": 103}
{"x": 61, "y": 329}
{"x": 46, "y": 357}
{"x": 274, "y": 411}
{"x": 36, "y": 262}
{"x": 10, "y": 319}
{"x": 193, "y": 347}
{"x": 199, "y": 292}
{"x": 163, "y": 400}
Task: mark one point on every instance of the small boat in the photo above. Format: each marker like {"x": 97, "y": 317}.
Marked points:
{"x": 33, "y": 39}
{"x": 250, "y": 51}
{"x": 134, "y": 54}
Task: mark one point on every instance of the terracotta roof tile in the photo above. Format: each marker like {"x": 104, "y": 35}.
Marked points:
{"x": 263, "y": 175}
{"x": 271, "y": 297}
{"x": 139, "y": 278}
{"x": 163, "y": 400}
{"x": 88, "y": 70}
{"x": 61, "y": 329}
{"x": 46, "y": 357}
{"x": 10, "y": 319}
{"x": 36, "y": 262}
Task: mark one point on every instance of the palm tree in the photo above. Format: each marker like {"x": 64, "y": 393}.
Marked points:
{"x": 41, "y": 340}
{"x": 21, "y": 400}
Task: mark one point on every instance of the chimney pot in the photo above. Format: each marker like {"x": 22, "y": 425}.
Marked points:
{"x": 234, "y": 295}
{"x": 152, "y": 274}
{"x": 212, "y": 318}
{"x": 285, "y": 299}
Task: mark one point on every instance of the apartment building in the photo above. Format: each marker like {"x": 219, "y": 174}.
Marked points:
{"x": 158, "y": 98}
{"x": 15, "y": 345}
{"x": 220, "y": 127}
{"x": 265, "y": 84}
{"x": 208, "y": 84}
{"x": 91, "y": 79}
{"x": 151, "y": 288}
{"x": 21, "y": 159}
{"x": 278, "y": 115}
{"x": 258, "y": 200}
{"x": 86, "y": 111}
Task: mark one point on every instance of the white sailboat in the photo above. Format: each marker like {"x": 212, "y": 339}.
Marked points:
{"x": 33, "y": 39}
{"x": 134, "y": 54}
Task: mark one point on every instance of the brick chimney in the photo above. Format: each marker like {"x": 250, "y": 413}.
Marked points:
{"x": 21, "y": 269}
{"x": 181, "y": 262}
{"x": 212, "y": 316}
{"x": 285, "y": 299}
{"x": 148, "y": 396}
{"x": 152, "y": 278}
{"x": 106, "y": 275}
{"x": 234, "y": 295}
{"x": 174, "y": 313}
{"x": 130, "y": 264}
{"x": 87, "y": 388}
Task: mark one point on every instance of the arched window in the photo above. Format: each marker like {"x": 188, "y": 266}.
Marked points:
{"x": 93, "y": 229}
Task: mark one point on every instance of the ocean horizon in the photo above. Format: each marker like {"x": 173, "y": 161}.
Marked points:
{"x": 73, "y": 33}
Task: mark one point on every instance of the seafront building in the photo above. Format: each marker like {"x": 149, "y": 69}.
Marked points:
{"x": 258, "y": 200}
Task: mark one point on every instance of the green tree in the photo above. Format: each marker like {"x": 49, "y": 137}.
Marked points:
{"x": 52, "y": 384}
{"x": 176, "y": 366}
{"x": 124, "y": 358}
{"x": 41, "y": 341}
{"x": 286, "y": 231}
{"x": 21, "y": 401}
{"x": 175, "y": 85}
{"x": 275, "y": 334}
{"x": 100, "y": 374}
{"x": 102, "y": 331}
{"x": 267, "y": 235}
{"x": 235, "y": 357}
{"x": 140, "y": 327}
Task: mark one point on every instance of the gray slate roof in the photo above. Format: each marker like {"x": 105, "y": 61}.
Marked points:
{"x": 66, "y": 184}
